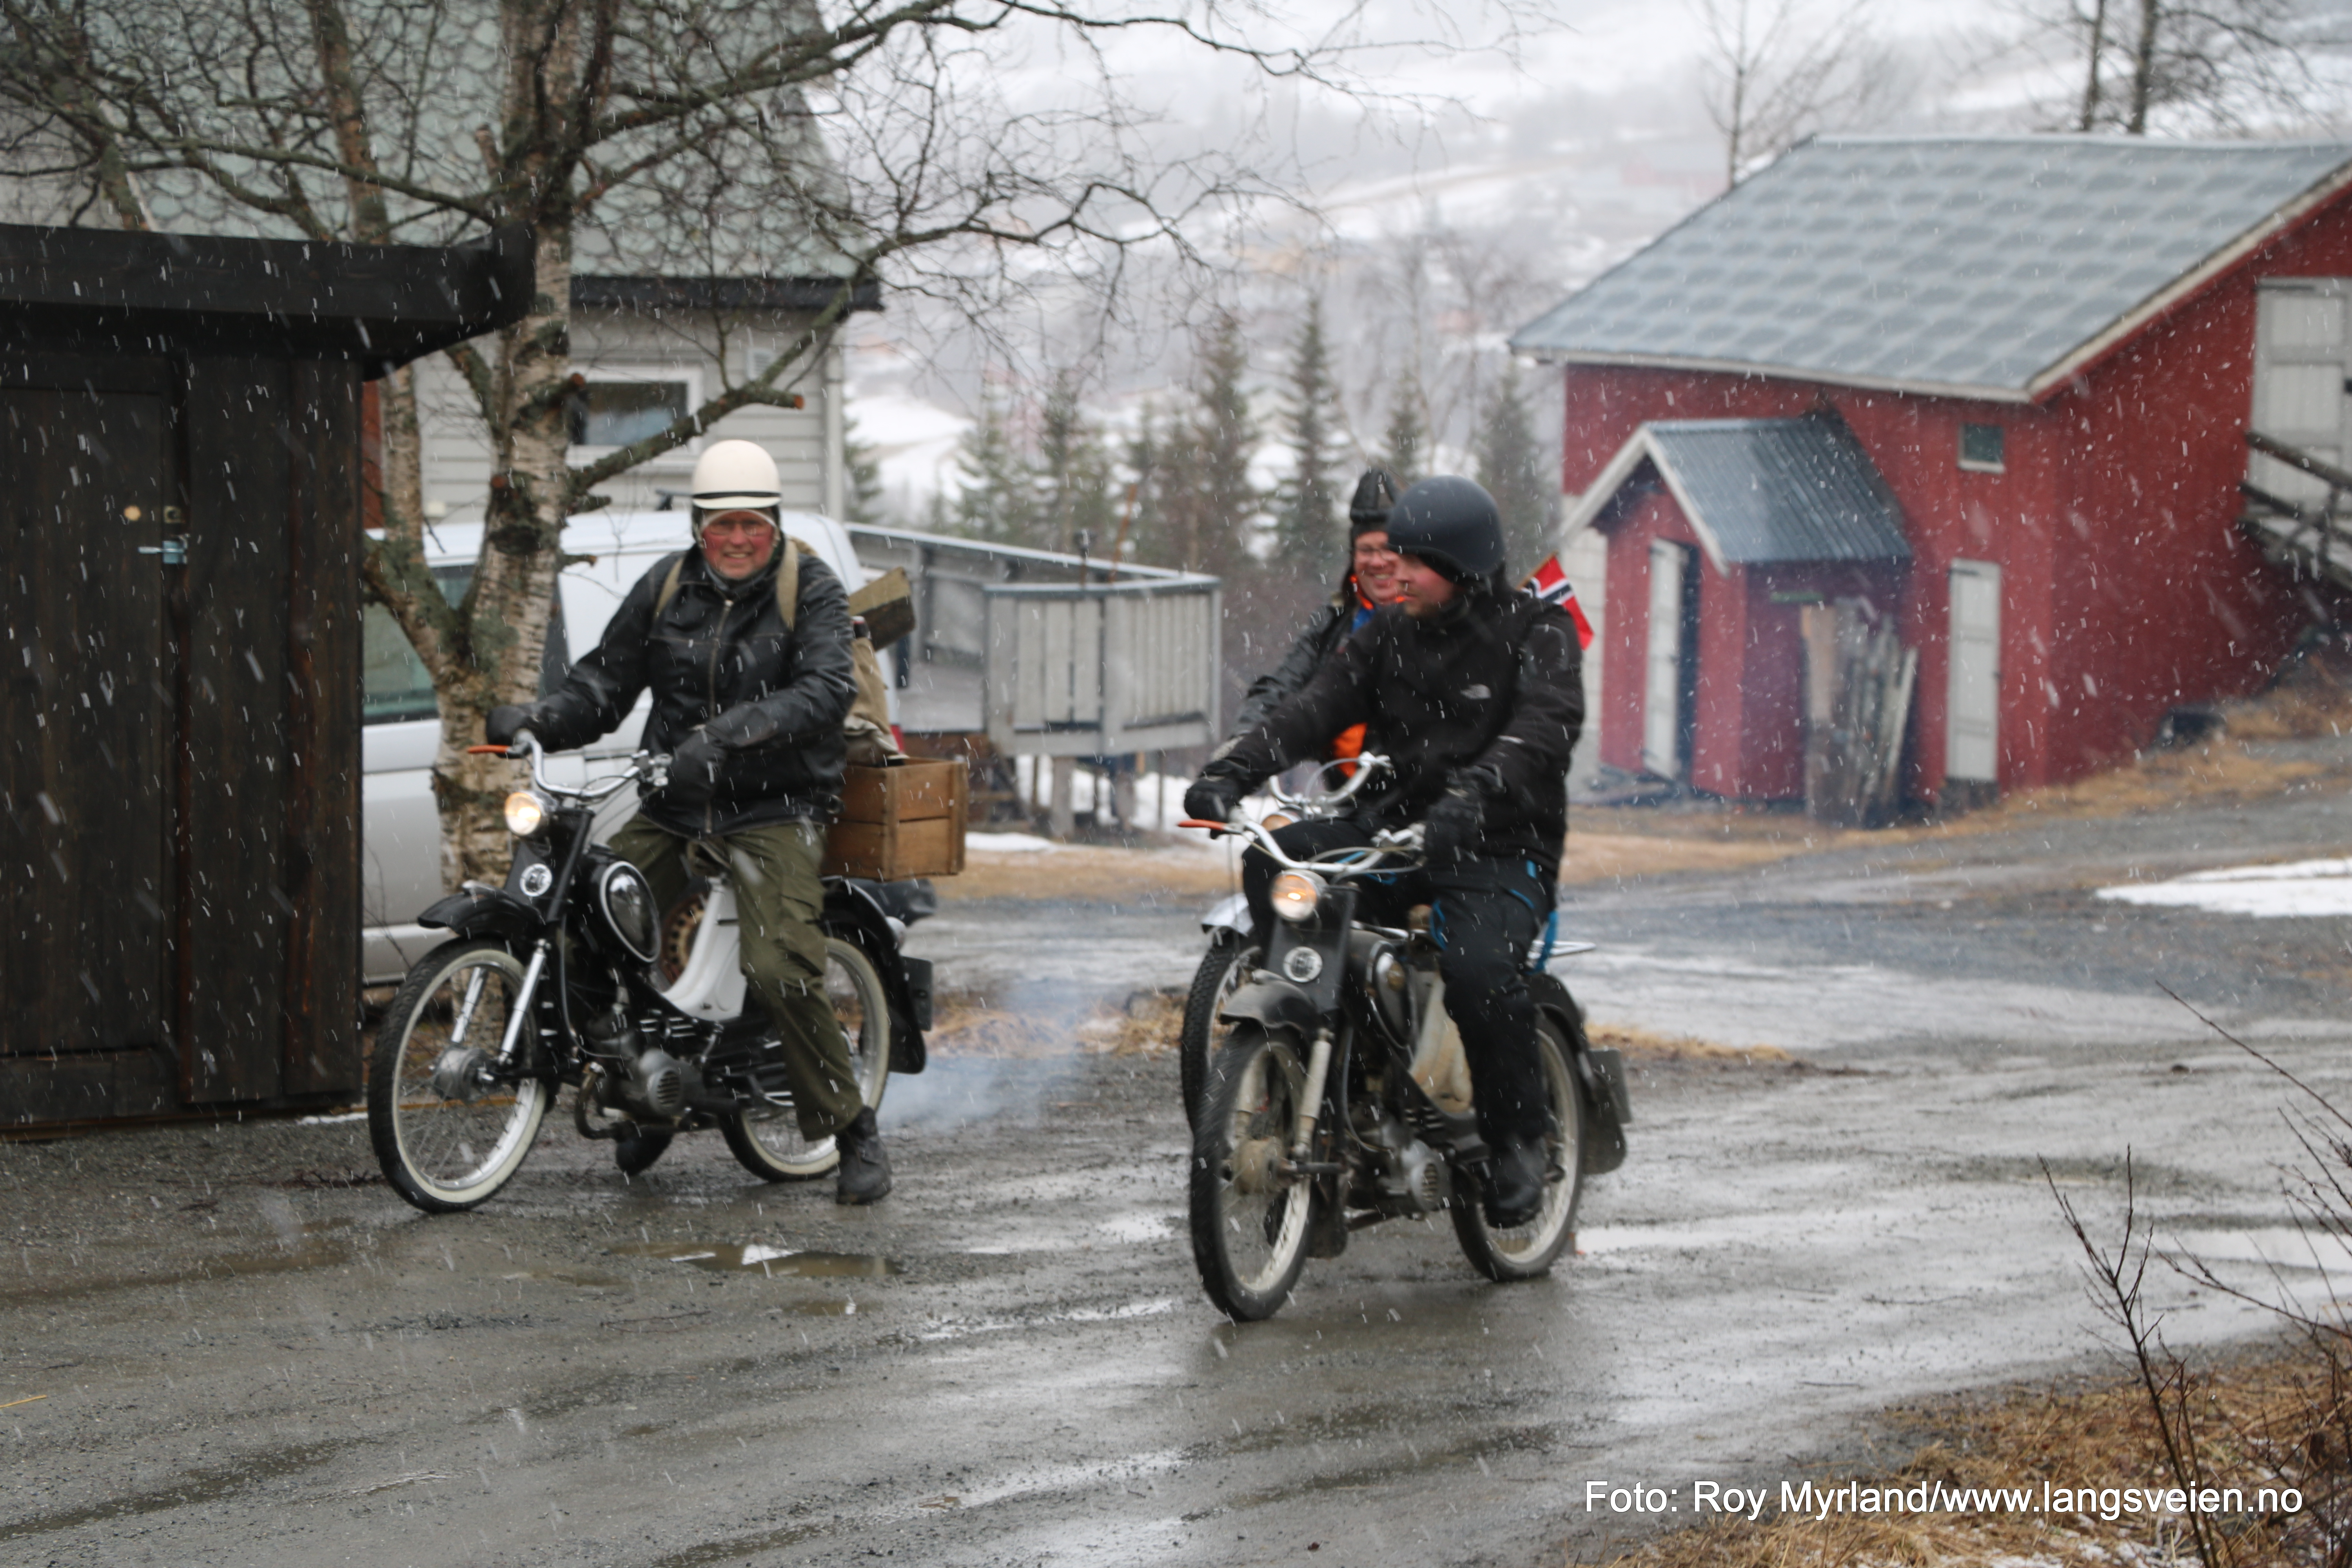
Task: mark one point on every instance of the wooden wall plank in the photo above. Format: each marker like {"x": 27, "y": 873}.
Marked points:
{"x": 322, "y": 734}
{"x": 239, "y": 435}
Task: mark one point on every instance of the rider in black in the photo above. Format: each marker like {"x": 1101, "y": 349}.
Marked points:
{"x": 1475, "y": 692}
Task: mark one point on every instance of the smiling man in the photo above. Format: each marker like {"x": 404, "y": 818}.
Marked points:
{"x": 748, "y": 700}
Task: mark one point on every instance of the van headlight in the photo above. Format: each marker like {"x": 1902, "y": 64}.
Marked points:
{"x": 1295, "y": 895}
{"x": 527, "y": 813}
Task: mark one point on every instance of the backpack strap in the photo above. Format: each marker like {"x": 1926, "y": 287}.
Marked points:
{"x": 670, "y": 585}
{"x": 788, "y": 583}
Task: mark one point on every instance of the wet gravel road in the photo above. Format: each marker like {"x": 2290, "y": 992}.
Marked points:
{"x": 230, "y": 1356}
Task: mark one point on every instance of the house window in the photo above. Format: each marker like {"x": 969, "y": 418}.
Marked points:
{"x": 1981, "y": 447}
{"x": 616, "y": 412}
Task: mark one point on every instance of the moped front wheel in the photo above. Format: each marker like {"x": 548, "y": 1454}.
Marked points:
{"x": 1224, "y": 969}
{"x": 1527, "y": 1251}
{"x": 1249, "y": 1219}
{"x": 767, "y": 1141}
{"x": 450, "y": 1129}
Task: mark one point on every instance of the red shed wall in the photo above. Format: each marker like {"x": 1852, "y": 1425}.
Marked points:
{"x": 2126, "y": 586}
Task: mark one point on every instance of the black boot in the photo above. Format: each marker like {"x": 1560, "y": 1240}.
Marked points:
{"x": 636, "y": 1149}
{"x": 1515, "y": 1184}
{"x": 864, "y": 1174}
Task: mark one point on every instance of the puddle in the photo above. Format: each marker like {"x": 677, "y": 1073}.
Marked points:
{"x": 2273, "y": 1246}
{"x": 568, "y": 1276}
{"x": 733, "y": 1258}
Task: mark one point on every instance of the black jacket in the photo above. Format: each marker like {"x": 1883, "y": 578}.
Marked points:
{"x": 1325, "y": 630}
{"x": 721, "y": 659}
{"x": 1492, "y": 689}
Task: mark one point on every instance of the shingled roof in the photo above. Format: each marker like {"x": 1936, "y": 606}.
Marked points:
{"x": 1763, "y": 489}
{"x": 1980, "y": 266}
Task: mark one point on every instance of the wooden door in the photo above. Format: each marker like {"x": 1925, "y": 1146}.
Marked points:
{"x": 1666, "y": 705}
{"x": 86, "y": 932}
{"x": 1972, "y": 704}
{"x": 2303, "y": 355}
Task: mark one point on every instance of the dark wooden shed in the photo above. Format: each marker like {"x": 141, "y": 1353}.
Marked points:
{"x": 180, "y": 543}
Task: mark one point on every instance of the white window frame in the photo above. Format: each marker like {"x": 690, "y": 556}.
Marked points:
{"x": 677, "y": 458}
{"x": 1976, "y": 465}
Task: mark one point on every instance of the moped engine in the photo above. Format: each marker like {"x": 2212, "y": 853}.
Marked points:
{"x": 643, "y": 1077}
{"x": 1410, "y": 1178}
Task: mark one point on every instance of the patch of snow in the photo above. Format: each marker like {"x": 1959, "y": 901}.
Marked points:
{"x": 2310, "y": 888}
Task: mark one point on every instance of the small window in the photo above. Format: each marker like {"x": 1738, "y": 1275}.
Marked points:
{"x": 395, "y": 687}
{"x": 616, "y": 412}
{"x": 1981, "y": 447}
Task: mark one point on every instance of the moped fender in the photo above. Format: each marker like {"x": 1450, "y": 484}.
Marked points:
{"x": 482, "y": 911}
{"x": 852, "y": 914}
{"x": 1599, "y": 1078}
{"x": 1229, "y": 913}
{"x": 1277, "y": 1003}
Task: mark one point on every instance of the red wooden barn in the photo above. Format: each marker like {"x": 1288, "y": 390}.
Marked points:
{"x": 1999, "y": 388}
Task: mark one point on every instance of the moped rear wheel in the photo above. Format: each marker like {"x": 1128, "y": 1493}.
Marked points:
{"x": 446, "y": 1140}
{"x": 1249, "y": 1221}
{"x": 768, "y": 1142}
{"x": 1527, "y": 1251}
{"x": 1224, "y": 969}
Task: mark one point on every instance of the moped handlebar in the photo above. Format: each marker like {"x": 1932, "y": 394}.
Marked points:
{"x": 645, "y": 767}
{"x": 1388, "y": 850}
{"x": 1316, "y": 801}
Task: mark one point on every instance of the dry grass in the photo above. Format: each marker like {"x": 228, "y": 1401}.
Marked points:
{"x": 970, "y": 1025}
{"x": 2256, "y": 1412}
{"x": 1621, "y": 850}
{"x": 1648, "y": 1045}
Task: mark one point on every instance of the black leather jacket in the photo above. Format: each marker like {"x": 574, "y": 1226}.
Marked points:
{"x": 1326, "y": 629}
{"x": 721, "y": 660}
{"x": 1492, "y": 689}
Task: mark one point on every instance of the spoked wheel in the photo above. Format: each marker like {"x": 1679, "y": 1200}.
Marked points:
{"x": 1224, "y": 968}
{"x": 1249, "y": 1221}
{"x": 1525, "y": 1251}
{"x": 445, "y": 1139}
{"x": 768, "y": 1142}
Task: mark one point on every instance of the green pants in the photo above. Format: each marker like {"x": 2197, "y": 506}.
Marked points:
{"x": 774, "y": 873}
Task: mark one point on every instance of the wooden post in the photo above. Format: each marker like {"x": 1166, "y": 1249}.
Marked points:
{"x": 1061, "y": 820}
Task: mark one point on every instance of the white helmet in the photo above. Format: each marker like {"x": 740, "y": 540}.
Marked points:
{"x": 736, "y": 475}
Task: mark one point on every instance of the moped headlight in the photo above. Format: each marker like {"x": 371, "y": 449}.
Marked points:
{"x": 1296, "y": 893}
{"x": 526, "y": 814}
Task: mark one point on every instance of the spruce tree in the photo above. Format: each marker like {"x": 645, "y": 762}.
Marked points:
{"x": 1512, "y": 465}
{"x": 1405, "y": 445}
{"x": 1306, "y": 534}
{"x": 1224, "y": 505}
{"x": 1073, "y": 478}
{"x": 994, "y": 500}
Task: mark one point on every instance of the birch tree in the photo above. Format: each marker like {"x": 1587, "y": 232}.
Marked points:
{"x": 865, "y": 142}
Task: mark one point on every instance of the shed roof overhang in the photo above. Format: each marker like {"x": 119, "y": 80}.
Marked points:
{"x": 1757, "y": 490}
{"x": 102, "y": 290}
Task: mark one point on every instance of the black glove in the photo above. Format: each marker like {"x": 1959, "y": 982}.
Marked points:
{"x": 1452, "y": 826}
{"x": 508, "y": 721}
{"x": 1213, "y": 797}
{"x": 693, "y": 770}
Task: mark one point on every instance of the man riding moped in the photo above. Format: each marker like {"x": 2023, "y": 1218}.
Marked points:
{"x": 1370, "y": 583}
{"x": 1475, "y": 691}
{"x": 749, "y": 704}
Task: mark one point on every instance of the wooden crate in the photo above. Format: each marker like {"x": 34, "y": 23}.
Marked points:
{"x": 901, "y": 821}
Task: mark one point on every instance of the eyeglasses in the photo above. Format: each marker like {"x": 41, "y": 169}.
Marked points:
{"x": 733, "y": 522}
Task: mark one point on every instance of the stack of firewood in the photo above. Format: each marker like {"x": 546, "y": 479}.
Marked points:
{"x": 1858, "y": 680}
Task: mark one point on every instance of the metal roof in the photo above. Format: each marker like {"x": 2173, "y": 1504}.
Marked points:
{"x": 1986, "y": 265}
{"x": 1764, "y": 490}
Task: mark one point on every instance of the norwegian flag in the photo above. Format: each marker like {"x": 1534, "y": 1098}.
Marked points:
{"x": 1550, "y": 584}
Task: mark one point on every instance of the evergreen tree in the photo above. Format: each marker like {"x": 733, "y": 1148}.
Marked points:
{"x": 1224, "y": 505}
{"x": 1512, "y": 465}
{"x": 1306, "y": 534}
{"x": 1405, "y": 445}
{"x": 994, "y": 500}
{"x": 1073, "y": 477}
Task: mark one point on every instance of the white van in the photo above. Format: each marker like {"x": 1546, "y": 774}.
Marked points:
{"x": 401, "y": 829}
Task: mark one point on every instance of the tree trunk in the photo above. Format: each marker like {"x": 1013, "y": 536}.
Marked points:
{"x": 2151, "y": 16}
{"x": 2091, "y": 93}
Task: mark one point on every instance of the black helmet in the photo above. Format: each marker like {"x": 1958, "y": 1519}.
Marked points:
{"x": 1452, "y": 525}
{"x": 1376, "y": 494}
